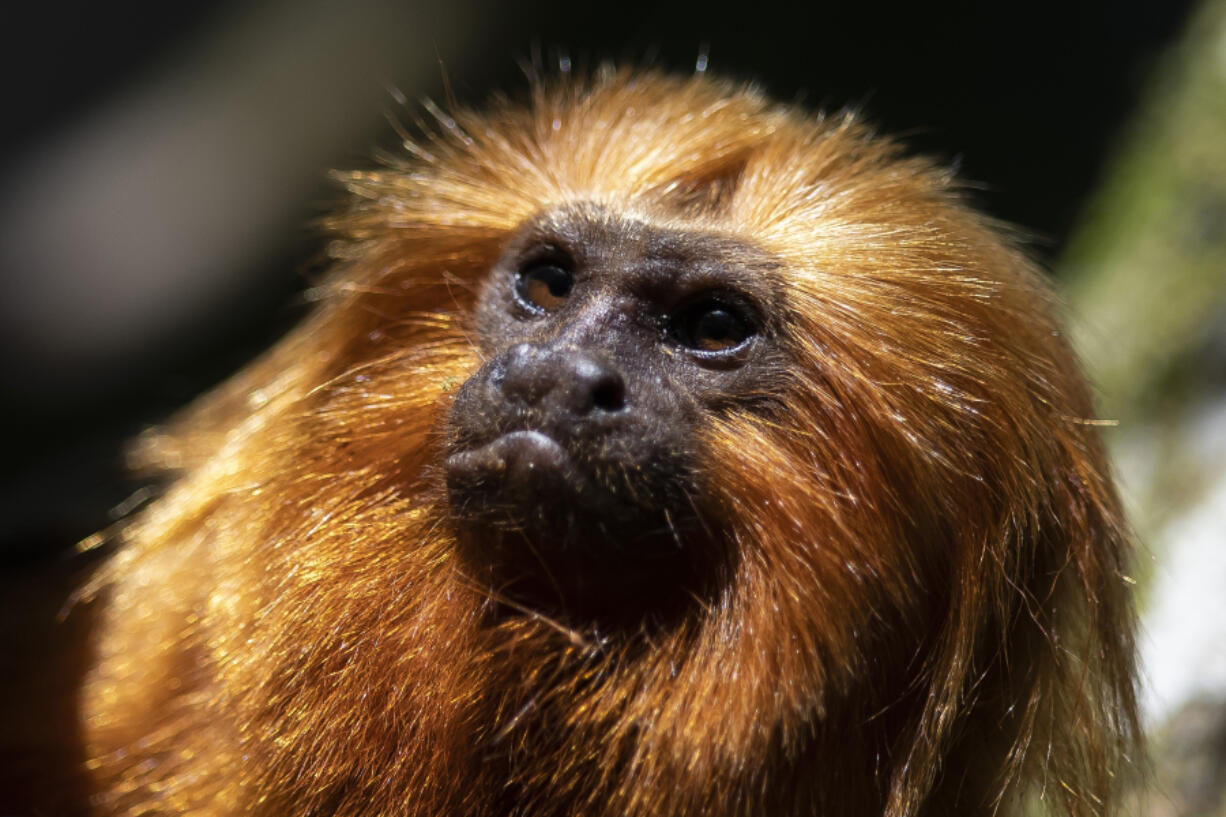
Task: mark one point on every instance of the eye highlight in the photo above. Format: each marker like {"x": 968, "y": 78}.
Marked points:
{"x": 711, "y": 325}
{"x": 544, "y": 284}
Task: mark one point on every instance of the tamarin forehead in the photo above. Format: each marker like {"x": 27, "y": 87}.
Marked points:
{"x": 714, "y": 155}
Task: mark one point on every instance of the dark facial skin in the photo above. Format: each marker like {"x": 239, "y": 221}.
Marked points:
{"x": 573, "y": 452}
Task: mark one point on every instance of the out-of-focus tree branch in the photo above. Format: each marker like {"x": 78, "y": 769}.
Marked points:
{"x": 1146, "y": 276}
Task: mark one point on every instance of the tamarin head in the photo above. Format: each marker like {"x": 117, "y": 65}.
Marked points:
{"x": 655, "y": 449}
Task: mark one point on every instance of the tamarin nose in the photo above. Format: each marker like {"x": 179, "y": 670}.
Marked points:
{"x": 567, "y": 379}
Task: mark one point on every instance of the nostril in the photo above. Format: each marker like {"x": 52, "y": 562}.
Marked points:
{"x": 609, "y": 393}
{"x": 595, "y": 384}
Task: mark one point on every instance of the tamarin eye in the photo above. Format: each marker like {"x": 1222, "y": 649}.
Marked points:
{"x": 543, "y": 284}
{"x": 711, "y": 325}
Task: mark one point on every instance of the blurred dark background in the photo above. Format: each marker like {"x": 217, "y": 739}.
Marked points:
{"x": 162, "y": 165}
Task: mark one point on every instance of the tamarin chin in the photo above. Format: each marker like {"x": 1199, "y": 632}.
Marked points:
{"x": 656, "y": 449}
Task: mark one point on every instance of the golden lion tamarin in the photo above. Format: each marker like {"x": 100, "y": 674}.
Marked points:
{"x": 656, "y": 450}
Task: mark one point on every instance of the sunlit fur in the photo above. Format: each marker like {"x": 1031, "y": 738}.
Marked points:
{"x": 928, "y": 613}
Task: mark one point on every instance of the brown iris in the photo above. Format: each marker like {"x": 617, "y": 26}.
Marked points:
{"x": 544, "y": 285}
{"x": 711, "y": 325}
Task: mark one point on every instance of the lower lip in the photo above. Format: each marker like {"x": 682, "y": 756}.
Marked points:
{"x": 517, "y": 454}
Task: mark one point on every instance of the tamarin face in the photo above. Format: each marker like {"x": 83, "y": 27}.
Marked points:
{"x": 655, "y": 449}
{"x": 608, "y": 344}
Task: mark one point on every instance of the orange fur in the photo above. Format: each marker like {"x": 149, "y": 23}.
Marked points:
{"x": 925, "y": 612}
